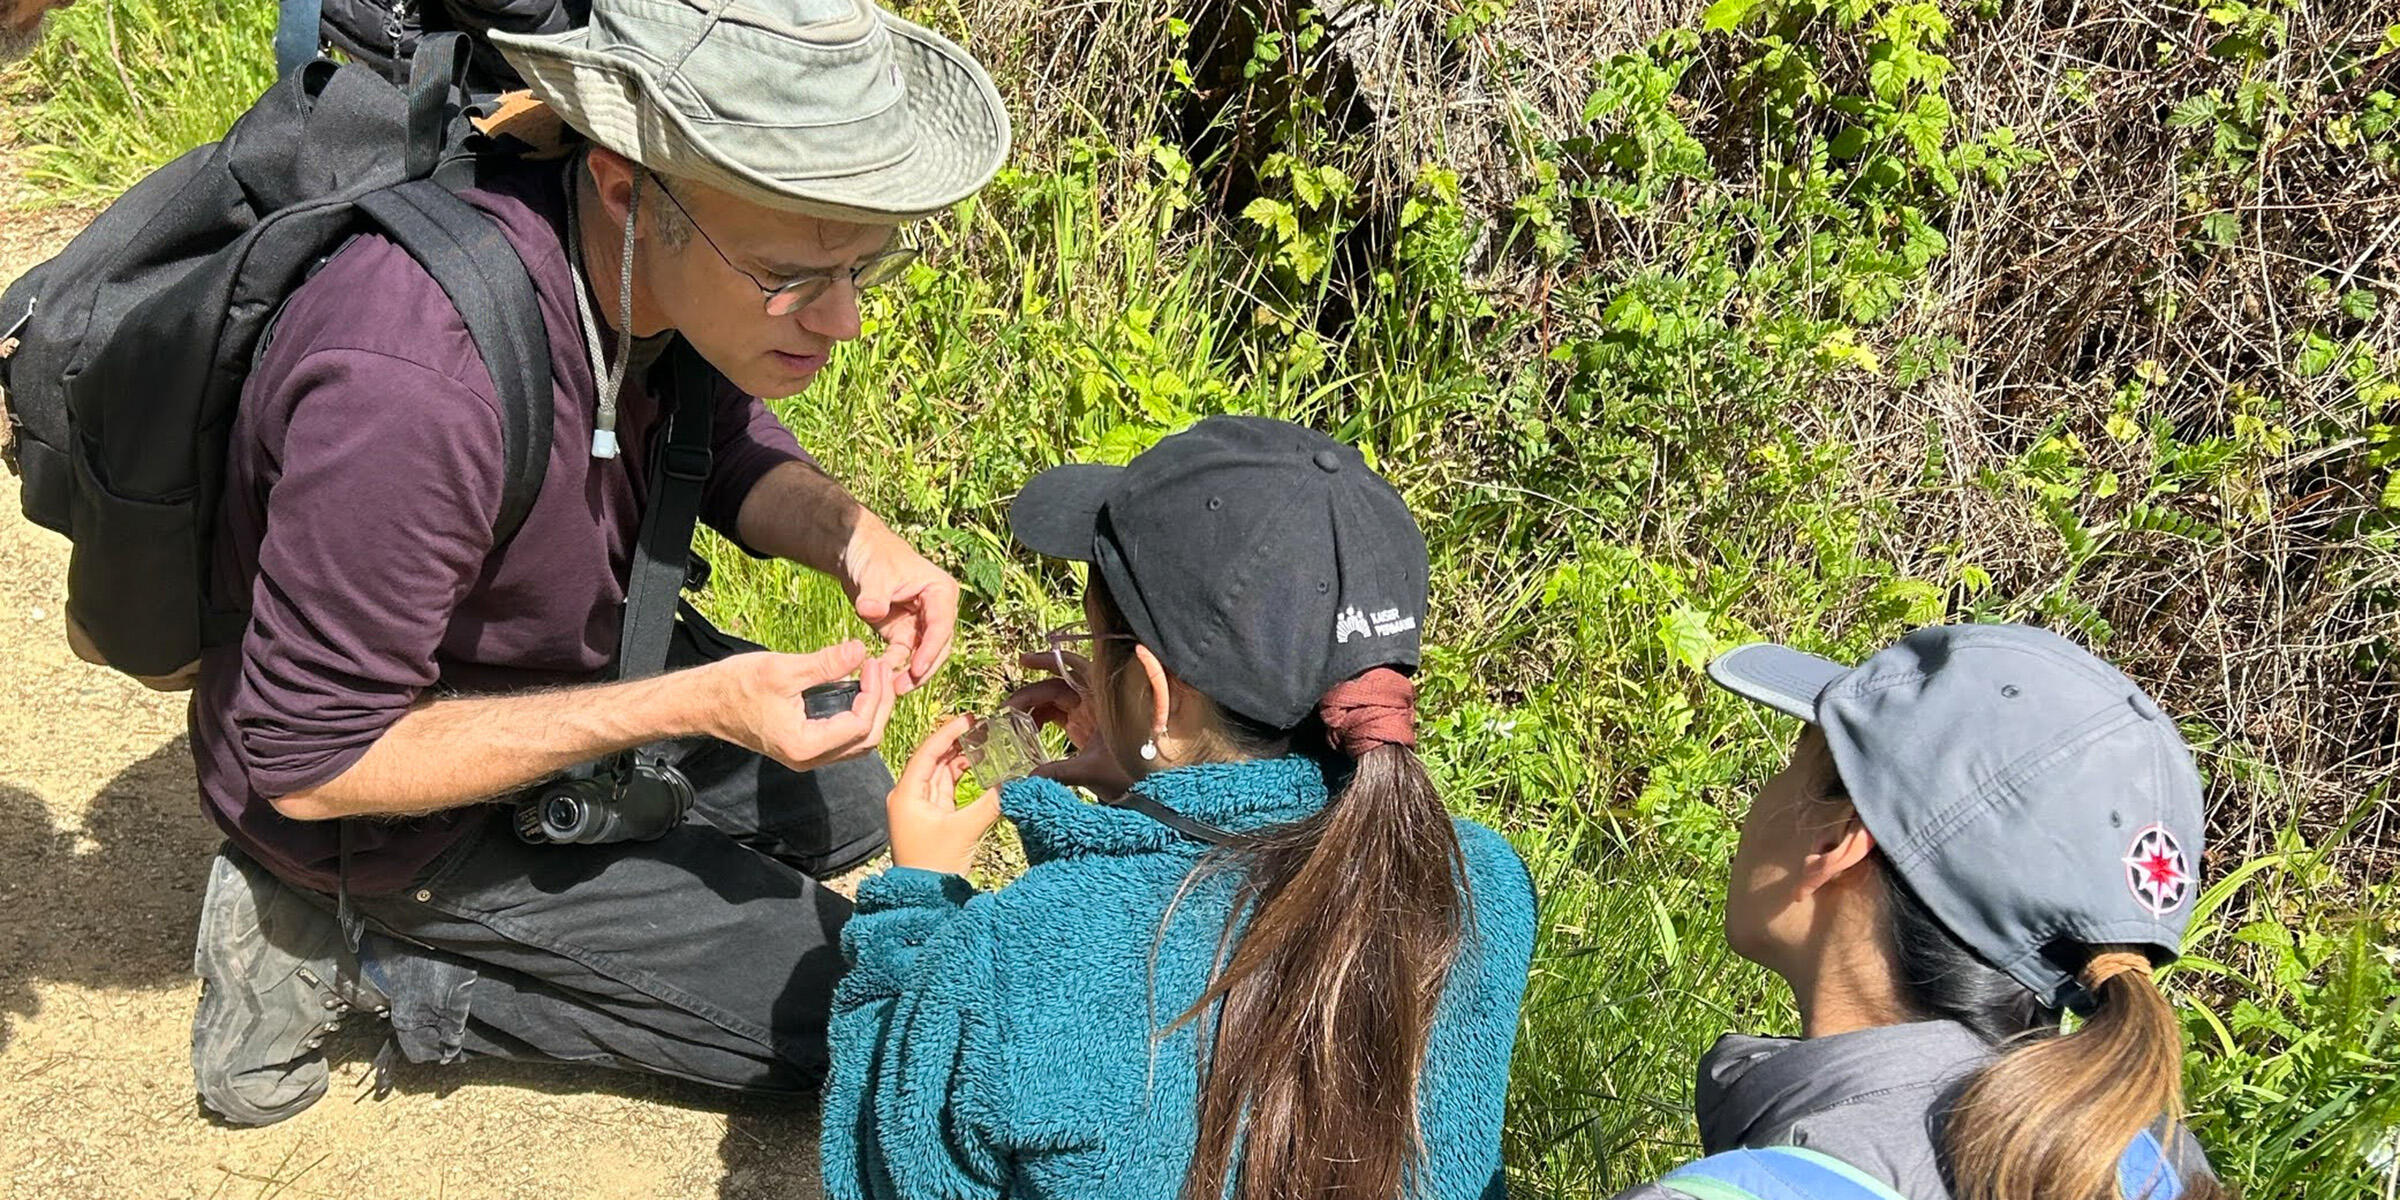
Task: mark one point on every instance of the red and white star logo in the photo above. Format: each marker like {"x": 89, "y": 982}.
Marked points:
{"x": 2157, "y": 871}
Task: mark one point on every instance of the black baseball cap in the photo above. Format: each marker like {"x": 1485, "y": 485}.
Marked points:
{"x": 2032, "y": 796}
{"x": 1262, "y": 561}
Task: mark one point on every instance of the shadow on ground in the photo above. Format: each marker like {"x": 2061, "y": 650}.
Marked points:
{"x": 770, "y": 1152}
{"x": 114, "y": 903}
{"x": 770, "y": 1145}
{"x": 111, "y": 903}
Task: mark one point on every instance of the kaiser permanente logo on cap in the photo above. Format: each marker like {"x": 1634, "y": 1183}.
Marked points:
{"x": 2036, "y": 799}
{"x": 1387, "y": 622}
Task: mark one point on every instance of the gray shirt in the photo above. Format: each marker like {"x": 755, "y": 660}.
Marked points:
{"x": 1872, "y": 1099}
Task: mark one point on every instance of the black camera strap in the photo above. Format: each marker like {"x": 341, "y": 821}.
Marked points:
{"x": 663, "y": 565}
{"x": 1196, "y": 830}
{"x": 680, "y": 457}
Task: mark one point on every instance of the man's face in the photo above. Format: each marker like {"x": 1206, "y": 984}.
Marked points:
{"x": 21, "y": 26}
{"x": 702, "y": 292}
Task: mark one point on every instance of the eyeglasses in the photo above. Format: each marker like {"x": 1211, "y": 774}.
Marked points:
{"x": 801, "y": 290}
{"x": 1071, "y": 650}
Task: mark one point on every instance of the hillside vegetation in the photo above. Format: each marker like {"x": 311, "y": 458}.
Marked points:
{"x": 1681, "y": 327}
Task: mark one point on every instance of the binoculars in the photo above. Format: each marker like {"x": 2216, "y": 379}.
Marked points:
{"x": 635, "y": 798}
{"x": 625, "y": 802}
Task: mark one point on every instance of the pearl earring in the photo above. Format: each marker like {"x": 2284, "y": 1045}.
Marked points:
{"x": 1150, "y": 751}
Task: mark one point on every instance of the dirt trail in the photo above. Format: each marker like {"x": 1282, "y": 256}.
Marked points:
{"x": 103, "y": 852}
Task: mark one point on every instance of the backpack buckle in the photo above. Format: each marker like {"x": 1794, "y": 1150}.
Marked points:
{"x": 8, "y": 336}
{"x": 688, "y": 463}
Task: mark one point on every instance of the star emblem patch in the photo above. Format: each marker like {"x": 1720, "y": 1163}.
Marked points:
{"x": 2157, "y": 871}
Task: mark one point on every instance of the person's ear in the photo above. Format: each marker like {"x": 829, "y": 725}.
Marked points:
{"x": 1161, "y": 697}
{"x": 1835, "y": 849}
{"x": 612, "y": 181}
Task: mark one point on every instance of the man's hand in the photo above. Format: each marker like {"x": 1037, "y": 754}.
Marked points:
{"x": 930, "y": 832}
{"x": 756, "y": 704}
{"x": 795, "y": 511}
{"x": 465, "y": 749}
{"x": 903, "y": 597}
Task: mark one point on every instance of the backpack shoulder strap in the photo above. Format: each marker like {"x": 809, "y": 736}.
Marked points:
{"x": 1776, "y": 1173}
{"x": 476, "y": 267}
{"x": 2146, "y": 1171}
{"x": 480, "y": 272}
{"x": 662, "y": 552}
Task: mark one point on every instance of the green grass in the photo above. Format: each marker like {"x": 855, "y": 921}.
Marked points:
{"x": 124, "y": 85}
{"x": 1648, "y": 465}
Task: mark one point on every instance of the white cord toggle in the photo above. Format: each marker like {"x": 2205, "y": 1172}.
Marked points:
{"x": 604, "y": 443}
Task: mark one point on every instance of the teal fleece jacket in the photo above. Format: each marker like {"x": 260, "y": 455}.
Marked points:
{"x": 1010, "y": 1043}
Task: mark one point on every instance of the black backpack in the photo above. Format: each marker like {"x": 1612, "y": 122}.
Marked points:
{"x": 123, "y": 358}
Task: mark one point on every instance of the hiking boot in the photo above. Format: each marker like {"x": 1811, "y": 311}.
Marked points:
{"x": 275, "y": 979}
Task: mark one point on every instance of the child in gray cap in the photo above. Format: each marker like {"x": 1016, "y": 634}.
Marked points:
{"x": 1982, "y": 828}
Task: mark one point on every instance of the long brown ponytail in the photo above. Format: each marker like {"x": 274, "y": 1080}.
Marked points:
{"x": 1337, "y": 951}
{"x": 2049, "y": 1119}
{"x": 1329, "y": 996}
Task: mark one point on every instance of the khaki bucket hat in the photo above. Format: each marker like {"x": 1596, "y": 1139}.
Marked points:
{"x": 833, "y": 108}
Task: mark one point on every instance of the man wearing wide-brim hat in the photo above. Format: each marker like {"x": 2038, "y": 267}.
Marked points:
{"x": 747, "y": 168}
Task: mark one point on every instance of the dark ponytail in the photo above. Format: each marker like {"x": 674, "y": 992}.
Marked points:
{"x": 1940, "y": 979}
{"x": 1333, "y": 961}
{"x": 2050, "y": 1117}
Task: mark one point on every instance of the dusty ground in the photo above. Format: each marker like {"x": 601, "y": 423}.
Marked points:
{"x": 103, "y": 852}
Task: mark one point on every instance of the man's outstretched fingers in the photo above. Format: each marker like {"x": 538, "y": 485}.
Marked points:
{"x": 804, "y": 744}
{"x": 938, "y": 608}
{"x": 896, "y": 655}
{"x": 873, "y": 607}
{"x": 879, "y": 693}
{"x": 858, "y": 729}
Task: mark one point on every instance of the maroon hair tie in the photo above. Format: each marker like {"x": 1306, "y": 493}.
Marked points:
{"x": 1376, "y": 708}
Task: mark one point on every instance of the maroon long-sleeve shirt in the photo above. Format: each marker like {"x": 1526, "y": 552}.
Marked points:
{"x": 365, "y": 475}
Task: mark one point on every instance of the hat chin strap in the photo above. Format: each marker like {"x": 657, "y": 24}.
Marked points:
{"x": 1190, "y": 827}
{"x": 611, "y": 376}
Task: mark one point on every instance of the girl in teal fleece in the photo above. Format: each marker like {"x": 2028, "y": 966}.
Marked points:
{"x": 1268, "y": 964}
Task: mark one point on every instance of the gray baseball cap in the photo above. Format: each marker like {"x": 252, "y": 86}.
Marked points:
{"x": 834, "y": 108}
{"x": 2035, "y": 798}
